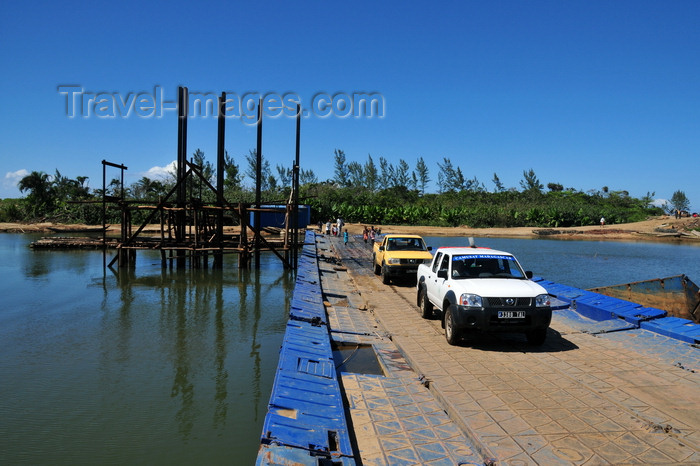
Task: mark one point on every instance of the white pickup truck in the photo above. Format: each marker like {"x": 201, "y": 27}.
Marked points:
{"x": 482, "y": 289}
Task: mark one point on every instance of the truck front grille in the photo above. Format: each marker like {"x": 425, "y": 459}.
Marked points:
{"x": 411, "y": 261}
{"x": 509, "y": 302}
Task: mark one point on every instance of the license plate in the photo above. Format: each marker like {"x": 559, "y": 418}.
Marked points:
{"x": 511, "y": 314}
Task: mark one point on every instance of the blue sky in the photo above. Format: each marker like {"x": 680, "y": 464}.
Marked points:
{"x": 587, "y": 94}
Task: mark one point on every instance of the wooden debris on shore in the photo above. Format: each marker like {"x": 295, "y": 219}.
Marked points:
{"x": 673, "y": 233}
{"x": 552, "y": 231}
{"x": 666, "y": 231}
{"x": 72, "y": 242}
{"x": 78, "y": 229}
{"x": 597, "y": 231}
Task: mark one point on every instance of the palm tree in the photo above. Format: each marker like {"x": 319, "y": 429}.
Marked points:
{"x": 41, "y": 193}
{"x": 142, "y": 188}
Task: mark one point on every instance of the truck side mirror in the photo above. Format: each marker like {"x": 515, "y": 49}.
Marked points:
{"x": 528, "y": 274}
{"x": 442, "y": 273}
{"x": 381, "y": 248}
{"x": 430, "y": 248}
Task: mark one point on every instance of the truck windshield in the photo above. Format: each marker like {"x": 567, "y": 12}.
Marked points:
{"x": 405, "y": 244}
{"x": 485, "y": 266}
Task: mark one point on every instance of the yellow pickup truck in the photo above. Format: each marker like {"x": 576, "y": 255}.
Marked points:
{"x": 398, "y": 256}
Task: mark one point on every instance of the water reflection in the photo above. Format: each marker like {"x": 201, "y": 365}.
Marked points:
{"x": 39, "y": 263}
{"x": 200, "y": 311}
{"x": 254, "y": 346}
{"x": 220, "y": 403}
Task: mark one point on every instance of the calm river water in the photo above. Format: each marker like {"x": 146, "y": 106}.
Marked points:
{"x": 155, "y": 366}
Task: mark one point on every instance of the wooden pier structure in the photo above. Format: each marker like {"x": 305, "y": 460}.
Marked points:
{"x": 191, "y": 229}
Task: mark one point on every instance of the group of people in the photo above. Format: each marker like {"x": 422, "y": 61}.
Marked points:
{"x": 336, "y": 229}
{"x": 332, "y": 228}
{"x": 369, "y": 234}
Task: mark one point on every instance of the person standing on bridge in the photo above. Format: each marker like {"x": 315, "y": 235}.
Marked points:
{"x": 340, "y": 223}
{"x": 345, "y": 237}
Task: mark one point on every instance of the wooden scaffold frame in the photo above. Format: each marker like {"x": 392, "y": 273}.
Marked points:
{"x": 192, "y": 230}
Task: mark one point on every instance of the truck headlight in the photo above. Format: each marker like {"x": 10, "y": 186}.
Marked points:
{"x": 393, "y": 261}
{"x": 471, "y": 300}
{"x": 542, "y": 300}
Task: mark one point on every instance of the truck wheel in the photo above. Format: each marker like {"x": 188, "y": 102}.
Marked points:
{"x": 377, "y": 269}
{"x": 536, "y": 337}
{"x": 452, "y": 334}
{"x": 385, "y": 275}
{"x": 426, "y": 307}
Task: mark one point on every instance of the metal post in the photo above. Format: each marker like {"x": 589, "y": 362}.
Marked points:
{"x": 181, "y": 173}
{"x": 220, "y": 162}
{"x": 104, "y": 215}
{"x": 295, "y": 187}
{"x": 258, "y": 182}
{"x": 244, "y": 256}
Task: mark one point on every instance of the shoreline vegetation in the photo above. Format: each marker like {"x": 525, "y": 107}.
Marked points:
{"x": 387, "y": 196}
{"x": 661, "y": 228}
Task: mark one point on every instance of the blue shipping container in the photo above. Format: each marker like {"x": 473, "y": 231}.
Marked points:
{"x": 276, "y": 219}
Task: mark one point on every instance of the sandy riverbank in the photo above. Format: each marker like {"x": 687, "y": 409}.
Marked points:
{"x": 663, "y": 228}
{"x": 657, "y": 229}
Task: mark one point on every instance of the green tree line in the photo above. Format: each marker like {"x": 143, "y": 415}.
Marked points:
{"x": 368, "y": 192}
